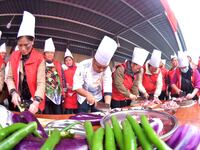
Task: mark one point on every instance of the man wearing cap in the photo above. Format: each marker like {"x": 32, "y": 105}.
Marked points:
{"x": 185, "y": 78}
{"x": 174, "y": 66}
{"x": 92, "y": 79}
{"x": 54, "y": 87}
{"x": 164, "y": 71}
{"x": 150, "y": 77}
{"x": 124, "y": 87}
{"x": 69, "y": 67}
{"x": 26, "y": 71}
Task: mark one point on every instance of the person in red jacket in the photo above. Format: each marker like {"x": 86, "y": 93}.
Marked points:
{"x": 124, "y": 86}
{"x": 186, "y": 79}
{"x": 150, "y": 78}
{"x": 54, "y": 86}
{"x": 164, "y": 71}
{"x": 26, "y": 70}
{"x": 69, "y": 67}
{"x": 174, "y": 66}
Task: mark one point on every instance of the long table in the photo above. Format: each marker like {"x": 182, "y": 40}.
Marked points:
{"x": 186, "y": 115}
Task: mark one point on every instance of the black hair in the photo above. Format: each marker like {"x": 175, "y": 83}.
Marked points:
{"x": 30, "y": 38}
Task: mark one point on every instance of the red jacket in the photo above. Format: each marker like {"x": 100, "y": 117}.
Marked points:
{"x": 149, "y": 81}
{"x": 128, "y": 83}
{"x": 70, "y": 101}
{"x": 31, "y": 68}
{"x": 164, "y": 72}
{"x": 171, "y": 76}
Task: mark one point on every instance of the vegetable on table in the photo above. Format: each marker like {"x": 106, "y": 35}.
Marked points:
{"x": 97, "y": 139}
{"x": 143, "y": 140}
{"x": 109, "y": 138}
{"x": 52, "y": 140}
{"x": 128, "y": 136}
{"x": 10, "y": 142}
{"x": 89, "y": 132}
{"x": 152, "y": 136}
{"x": 117, "y": 132}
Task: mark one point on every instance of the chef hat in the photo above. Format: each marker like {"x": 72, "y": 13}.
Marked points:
{"x": 68, "y": 53}
{"x": 163, "y": 61}
{"x": 16, "y": 48}
{"x": 49, "y": 46}
{"x": 27, "y": 27}
{"x": 173, "y": 56}
{"x": 182, "y": 59}
{"x": 155, "y": 58}
{"x": 0, "y": 34}
{"x": 3, "y": 48}
{"x": 139, "y": 56}
{"x": 105, "y": 51}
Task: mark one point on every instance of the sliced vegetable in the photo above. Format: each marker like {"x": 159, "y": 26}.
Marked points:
{"x": 10, "y": 142}
{"x": 52, "y": 140}
{"x": 145, "y": 143}
{"x": 152, "y": 136}
{"x": 117, "y": 132}
{"x": 89, "y": 132}
{"x": 97, "y": 139}
{"x": 95, "y": 119}
{"x": 109, "y": 138}
{"x": 128, "y": 136}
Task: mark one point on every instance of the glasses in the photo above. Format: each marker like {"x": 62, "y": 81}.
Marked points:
{"x": 26, "y": 46}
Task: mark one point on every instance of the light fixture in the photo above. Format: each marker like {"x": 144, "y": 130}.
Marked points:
{"x": 10, "y": 23}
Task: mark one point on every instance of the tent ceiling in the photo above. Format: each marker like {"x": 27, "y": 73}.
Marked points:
{"x": 81, "y": 24}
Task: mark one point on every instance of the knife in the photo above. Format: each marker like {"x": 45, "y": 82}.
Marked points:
{"x": 101, "y": 106}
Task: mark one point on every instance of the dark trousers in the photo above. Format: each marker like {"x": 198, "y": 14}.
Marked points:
{"x": 51, "y": 108}
{"x": 163, "y": 96}
{"x": 120, "y": 104}
{"x": 85, "y": 107}
{"x": 70, "y": 111}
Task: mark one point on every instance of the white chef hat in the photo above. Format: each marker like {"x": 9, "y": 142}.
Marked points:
{"x": 49, "y": 45}
{"x": 173, "y": 56}
{"x": 155, "y": 58}
{"x": 68, "y": 53}
{"x": 182, "y": 59}
{"x": 163, "y": 61}
{"x": 16, "y": 48}
{"x": 139, "y": 56}
{"x": 3, "y": 48}
{"x": 0, "y": 34}
{"x": 27, "y": 27}
{"x": 105, "y": 51}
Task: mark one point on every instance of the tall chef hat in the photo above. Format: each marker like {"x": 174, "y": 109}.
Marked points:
{"x": 155, "y": 58}
{"x": 182, "y": 59}
{"x": 68, "y": 53}
{"x": 27, "y": 27}
{"x": 173, "y": 56}
{"x": 105, "y": 51}
{"x": 139, "y": 56}
{"x": 3, "y": 48}
{"x": 49, "y": 45}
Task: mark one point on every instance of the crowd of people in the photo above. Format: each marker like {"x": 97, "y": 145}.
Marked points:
{"x": 38, "y": 83}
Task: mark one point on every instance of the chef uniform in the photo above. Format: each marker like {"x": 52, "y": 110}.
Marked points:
{"x": 3, "y": 87}
{"x": 186, "y": 79}
{"x": 125, "y": 81}
{"x": 150, "y": 84}
{"x": 70, "y": 102}
{"x": 97, "y": 84}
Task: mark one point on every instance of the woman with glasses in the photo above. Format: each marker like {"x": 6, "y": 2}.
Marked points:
{"x": 26, "y": 73}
